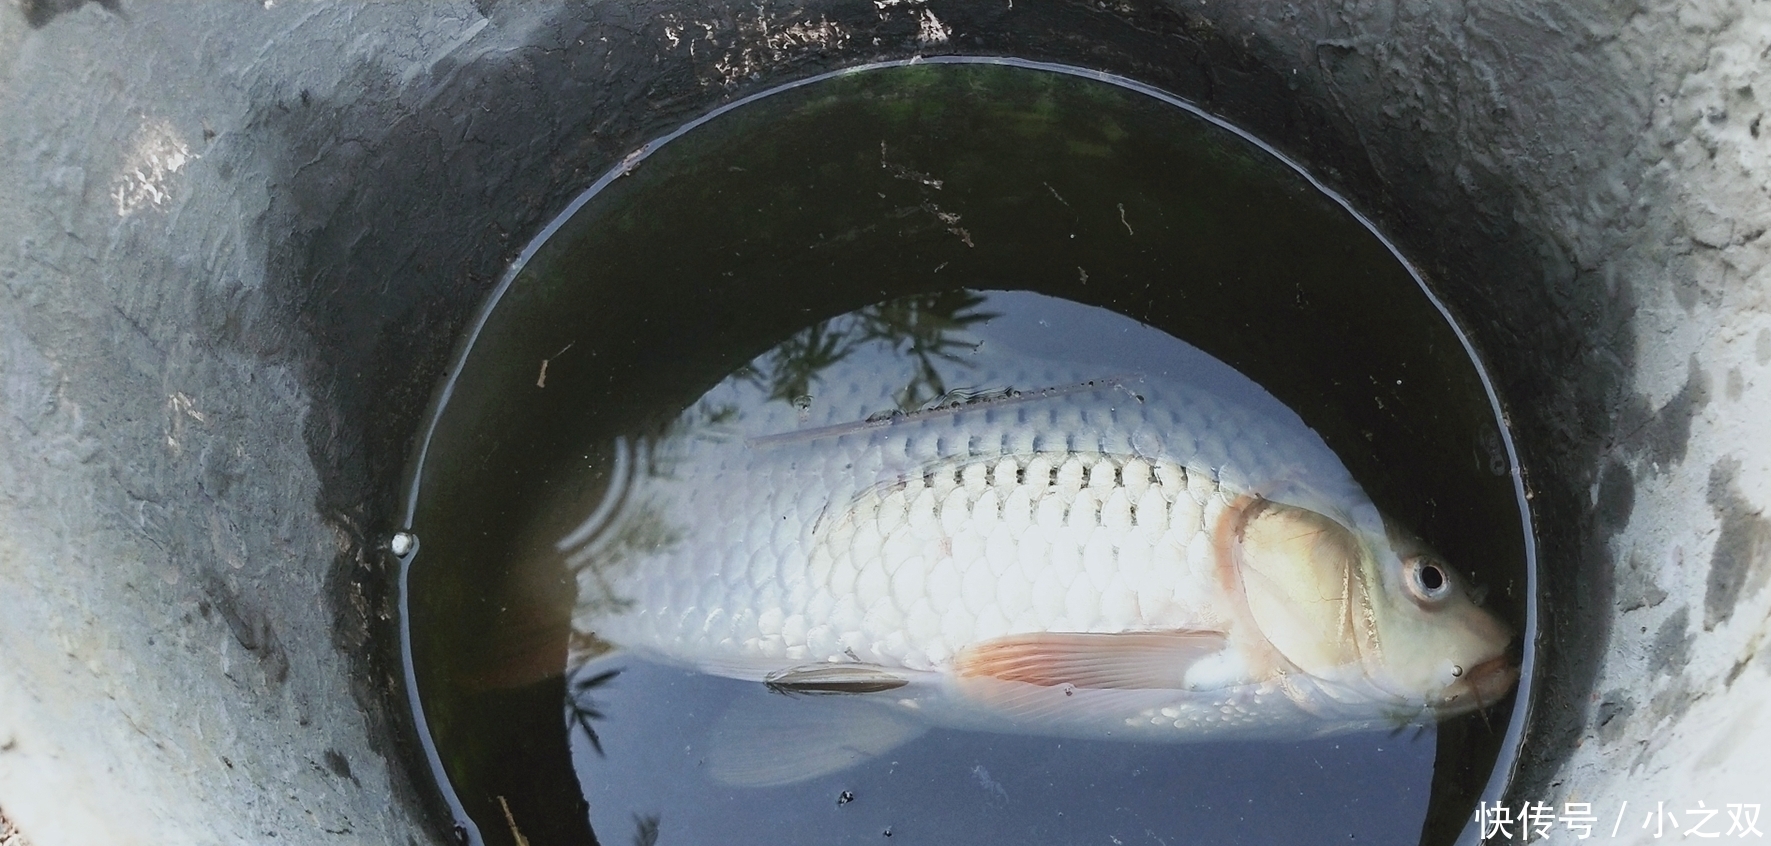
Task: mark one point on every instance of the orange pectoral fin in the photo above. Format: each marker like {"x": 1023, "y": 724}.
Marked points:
{"x": 1112, "y": 661}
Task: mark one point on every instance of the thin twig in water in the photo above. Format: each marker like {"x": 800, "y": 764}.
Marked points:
{"x": 901, "y": 172}
{"x": 541, "y": 380}
{"x": 512, "y": 822}
{"x": 1048, "y": 187}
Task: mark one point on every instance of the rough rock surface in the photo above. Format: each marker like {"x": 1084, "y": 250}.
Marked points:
{"x": 239, "y": 240}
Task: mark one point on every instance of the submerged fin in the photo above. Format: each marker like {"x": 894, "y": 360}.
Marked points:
{"x": 834, "y": 678}
{"x": 1018, "y": 707}
{"x": 1112, "y": 661}
{"x": 766, "y": 741}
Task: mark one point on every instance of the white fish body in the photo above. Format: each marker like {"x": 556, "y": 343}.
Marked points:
{"x": 1101, "y": 556}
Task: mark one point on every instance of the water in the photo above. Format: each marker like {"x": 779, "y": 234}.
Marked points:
{"x": 915, "y": 186}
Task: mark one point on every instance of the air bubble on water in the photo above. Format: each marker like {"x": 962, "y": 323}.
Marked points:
{"x": 402, "y": 543}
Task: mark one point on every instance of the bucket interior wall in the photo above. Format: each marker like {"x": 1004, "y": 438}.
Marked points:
{"x": 241, "y": 241}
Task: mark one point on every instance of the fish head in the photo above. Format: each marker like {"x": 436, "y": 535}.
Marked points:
{"x": 1432, "y": 638}
{"x": 1372, "y": 611}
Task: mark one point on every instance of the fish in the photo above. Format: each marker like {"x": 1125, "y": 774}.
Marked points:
{"x": 1060, "y": 549}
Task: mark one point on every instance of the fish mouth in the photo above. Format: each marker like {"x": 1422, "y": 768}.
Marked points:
{"x": 1479, "y": 687}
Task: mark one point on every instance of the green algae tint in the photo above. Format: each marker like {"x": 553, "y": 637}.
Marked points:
{"x": 912, "y": 188}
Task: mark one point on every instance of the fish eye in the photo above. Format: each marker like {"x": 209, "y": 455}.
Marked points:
{"x": 1428, "y": 580}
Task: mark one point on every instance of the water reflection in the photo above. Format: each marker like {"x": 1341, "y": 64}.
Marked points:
{"x": 582, "y": 710}
{"x": 926, "y": 328}
{"x": 924, "y": 331}
{"x": 1364, "y": 788}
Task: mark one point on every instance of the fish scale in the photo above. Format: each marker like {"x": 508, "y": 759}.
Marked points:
{"x": 781, "y": 506}
{"x": 1101, "y": 538}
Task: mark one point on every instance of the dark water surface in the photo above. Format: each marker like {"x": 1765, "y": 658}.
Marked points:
{"x": 916, "y": 186}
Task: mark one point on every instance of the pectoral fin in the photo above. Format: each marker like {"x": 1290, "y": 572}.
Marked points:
{"x": 1116, "y": 661}
{"x": 764, "y": 740}
{"x": 834, "y": 678}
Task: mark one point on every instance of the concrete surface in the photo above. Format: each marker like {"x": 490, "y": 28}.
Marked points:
{"x": 239, "y": 240}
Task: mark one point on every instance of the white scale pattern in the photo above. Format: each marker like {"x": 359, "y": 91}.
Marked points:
{"x": 983, "y": 549}
{"x": 899, "y": 544}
